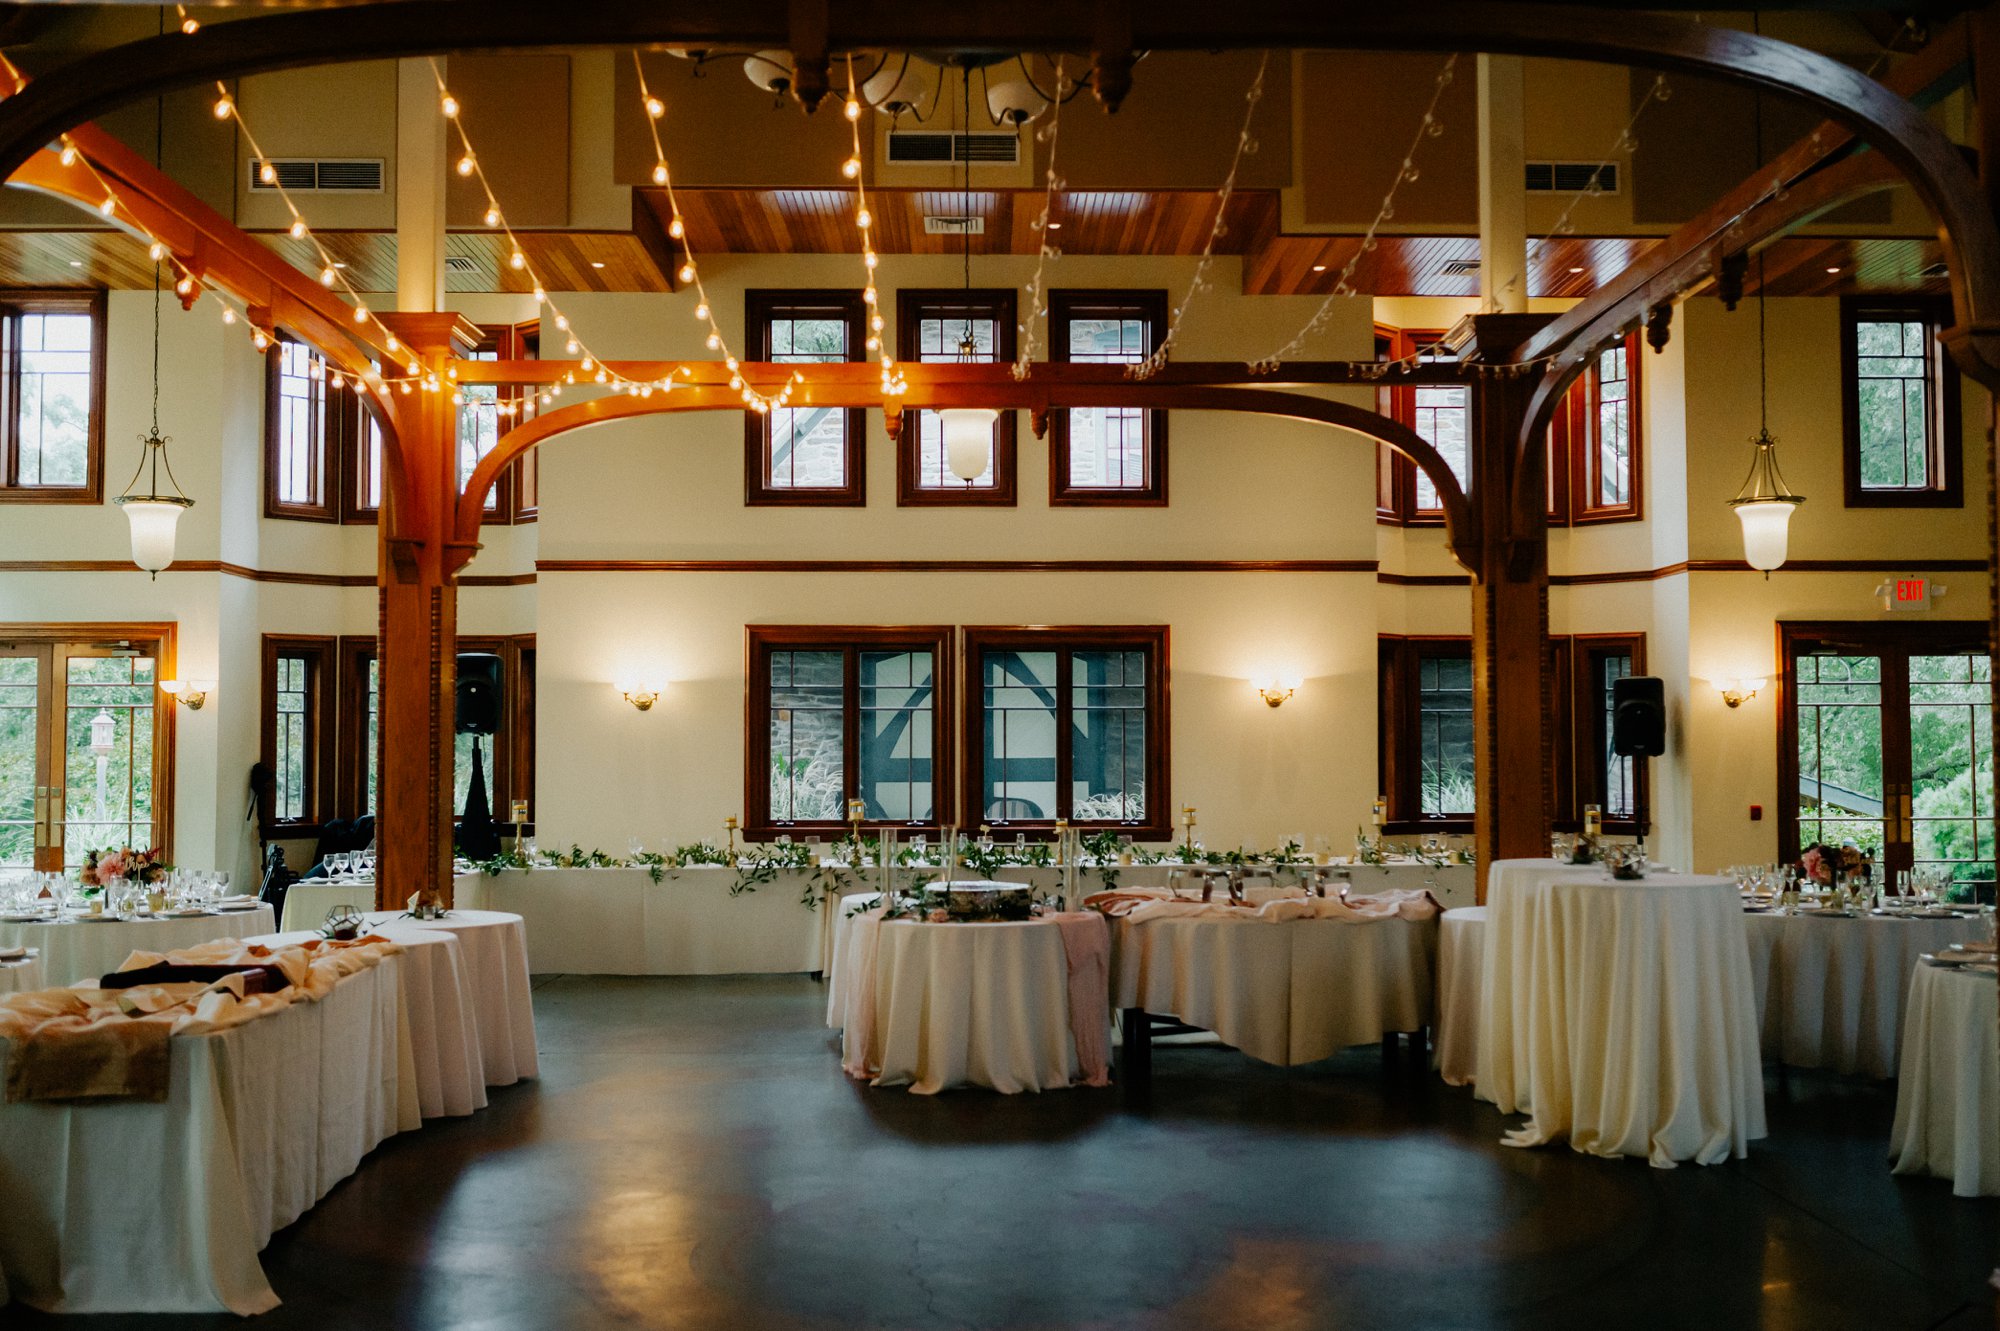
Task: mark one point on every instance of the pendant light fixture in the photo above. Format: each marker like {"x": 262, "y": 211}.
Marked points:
{"x": 154, "y": 514}
{"x": 968, "y": 431}
{"x": 1765, "y": 504}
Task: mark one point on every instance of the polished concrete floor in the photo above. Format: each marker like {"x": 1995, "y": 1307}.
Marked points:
{"x": 692, "y": 1157}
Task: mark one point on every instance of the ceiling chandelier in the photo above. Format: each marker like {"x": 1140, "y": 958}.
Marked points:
{"x": 911, "y": 83}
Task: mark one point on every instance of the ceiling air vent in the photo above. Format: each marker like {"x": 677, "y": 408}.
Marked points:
{"x": 1460, "y": 268}
{"x": 323, "y": 175}
{"x": 931, "y": 147}
{"x": 1572, "y": 177}
{"x": 459, "y": 263}
{"x": 934, "y": 225}
{"x": 1935, "y": 271}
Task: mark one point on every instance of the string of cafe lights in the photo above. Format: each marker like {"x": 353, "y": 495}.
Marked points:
{"x": 1246, "y": 145}
{"x": 690, "y": 274}
{"x": 468, "y": 166}
{"x": 892, "y": 382}
{"x": 1038, "y": 308}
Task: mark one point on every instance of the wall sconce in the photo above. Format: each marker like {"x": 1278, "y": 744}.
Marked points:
{"x": 189, "y": 693}
{"x": 1736, "y": 692}
{"x": 1274, "y": 690}
{"x": 641, "y": 696}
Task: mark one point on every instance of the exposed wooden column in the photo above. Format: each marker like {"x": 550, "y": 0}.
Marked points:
{"x": 417, "y": 636}
{"x": 1503, "y": 189}
{"x": 1513, "y": 735}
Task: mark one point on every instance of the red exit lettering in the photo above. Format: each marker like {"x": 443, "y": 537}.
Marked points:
{"x": 1910, "y": 589}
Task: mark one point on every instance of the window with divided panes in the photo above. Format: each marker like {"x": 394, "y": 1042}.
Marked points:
{"x": 1107, "y": 455}
{"x": 805, "y": 454}
{"x": 934, "y": 325}
{"x": 52, "y": 379}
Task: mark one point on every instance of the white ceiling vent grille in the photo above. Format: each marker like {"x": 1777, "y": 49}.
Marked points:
{"x": 931, "y": 147}
{"x": 1460, "y": 268}
{"x": 935, "y": 225}
{"x": 321, "y": 175}
{"x": 1572, "y": 177}
{"x": 459, "y": 263}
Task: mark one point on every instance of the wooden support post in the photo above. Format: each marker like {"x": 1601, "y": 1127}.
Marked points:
{"x": 1512, "y": 733}
{"x": 417, "y": 647}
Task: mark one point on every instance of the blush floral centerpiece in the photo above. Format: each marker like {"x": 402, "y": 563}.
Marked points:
{"x": 101, "y": 866}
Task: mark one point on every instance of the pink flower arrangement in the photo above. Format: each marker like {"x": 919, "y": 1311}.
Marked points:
{"x": 1810, "y": 863}
{"x": 101, "y": 866}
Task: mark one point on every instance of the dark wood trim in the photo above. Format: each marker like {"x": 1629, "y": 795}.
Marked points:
{"x": 913, "y": 305}
{"x": 1400, "y": 774}
{"x": 1917, "y": 563}
{"x": 1065, "y": 305}
{"x": 1943, "y": 428}
{"x": 1423, "y": 579}
{"x": 955, "y": 566}
{"x": 1155, "y": 639}
{"x": 353, "y": 654}
{"x": 12, "y": 305}
{"x": 322, "y": 700}
{"x": 760, "y": 307}
{"x": 761, "y": 640}
{"x": 242, "y": 571}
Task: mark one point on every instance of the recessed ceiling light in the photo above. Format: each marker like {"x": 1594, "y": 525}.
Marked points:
{"x": 338, "y": 264}
{"x": 1319, "y": 268}
{"x": 1055, "y": 226}
{"x": 76, "y": 263}
{"x": 1833, "y": 268}
{"x": 596, "y": 263}
{"x": 1576, "y": 269}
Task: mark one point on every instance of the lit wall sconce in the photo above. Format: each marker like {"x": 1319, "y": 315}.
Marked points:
{"x": 641, "y": 696}
{"x": 1736, "y": 692}
{"x": 1274, "y": 691}
{"x": 189, "y": 693}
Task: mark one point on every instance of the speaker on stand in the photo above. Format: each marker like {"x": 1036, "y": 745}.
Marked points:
{"x": 476, "y": 712}
{"x": 1639, "y": 721}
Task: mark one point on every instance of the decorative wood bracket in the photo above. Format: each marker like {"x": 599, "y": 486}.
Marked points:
{"x": 811, "y": 68}
{"x": 1729, "y": 275}
{"x": 403, "y": 555}
{"x": 1038, "y": 420}
{"x": 1111, "y": 54}
{"x": 1659, "y": 326}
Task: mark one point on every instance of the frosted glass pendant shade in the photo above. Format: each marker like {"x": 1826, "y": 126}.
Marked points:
{"x": 1764, "y": 506}
{"x": 154, "y": 520}
{"x": 968, "y": 440}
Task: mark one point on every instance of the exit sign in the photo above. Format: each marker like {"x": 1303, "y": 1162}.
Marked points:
{"x": 1907, "y": 594}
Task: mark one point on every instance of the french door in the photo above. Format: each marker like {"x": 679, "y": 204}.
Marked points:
{"x": 84, "y": 748}
{"x": 1887, "y": 741}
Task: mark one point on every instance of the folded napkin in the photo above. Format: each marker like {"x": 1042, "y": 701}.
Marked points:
{"x": 1974, "y": 947}
{"x": 1086, "y": 940}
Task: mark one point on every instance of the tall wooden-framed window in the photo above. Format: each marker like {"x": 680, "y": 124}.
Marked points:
{"x": 487, "y": 411}
{"x": 1424, "y": 739}
{"x": 86, "y": 741}
{"x": 835, "y": 713}
{"x": 52, "y": 397}
{"x": 1899, "y": 405}
{"x": 806, "y": 454}
{"x": 1068, "y": 722}
{"x": 298, "y": 732}
{"x": 1584, "y": 669}
{"x": 1594, "y": 441}
{"x": 1440, "y": 413}
{"x": 1107, "y": 455}
{"x": 509, "y": 761}
{"x": 932, "y": 325}
{"x": 322, "y": 446}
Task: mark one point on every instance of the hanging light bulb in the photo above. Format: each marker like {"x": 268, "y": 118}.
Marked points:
{"x": 154, "y": 514}
{"x": 1765, "y": 506}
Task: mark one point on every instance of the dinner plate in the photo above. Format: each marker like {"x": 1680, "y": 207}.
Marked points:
{"x": 1829, "y": 914}
{"x": 248, "y": 903}
{"x": 185, "y": 914}
{"x": 100, "y": 919}
{"x": 23, "y": 919}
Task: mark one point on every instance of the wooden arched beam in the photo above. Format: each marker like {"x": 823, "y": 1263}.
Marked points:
{"x": 1888, "y": 123}
{"x": 1038, "y": 398}
{"x": 1684, "y": 262}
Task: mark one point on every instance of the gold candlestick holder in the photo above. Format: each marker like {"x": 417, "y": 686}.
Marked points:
{"x": 1187, "y": 821}
{"x": 856, "y": 811}
{"x": 729, "y": 827}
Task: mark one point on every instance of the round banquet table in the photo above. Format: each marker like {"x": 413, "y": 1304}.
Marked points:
{"x": 1620, "y": 1015}
{"x": 1949, "y": 1090}
{"x": 308, "y": 901}
{"x": 82, "y": 950}
{"x": 1830, "y": 990}
{"x": 441, "y": 1003}
{"x": 1284, "y": 992}
{"x": 23, "y": 975}
{"x": 493, "y": 947}
{"x": 933, "y": 1006}
{"x": 1461, "y": 935}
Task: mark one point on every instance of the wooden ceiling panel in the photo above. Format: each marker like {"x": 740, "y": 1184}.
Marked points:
{"x": 477, "y": 260}
{"x": 109, "y": 259}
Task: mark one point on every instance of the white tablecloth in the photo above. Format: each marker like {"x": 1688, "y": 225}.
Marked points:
{"x": 1948, "y": 1095}
{"x": 1285, "y": 992}
{"x": 85, "y": 950}
{"x": 23, "y": 976}
{"x": 1620, "y": 1016}
{"x": 963, "y": 1005}
{"x": 306, "y": 903}
{"x": 493, "y": 948}
{"x": 1830, "y": 991}
{"x": 129, "y": 1207}
{"x": 440, "y": 1002}
{"x": 1461, "y": 935}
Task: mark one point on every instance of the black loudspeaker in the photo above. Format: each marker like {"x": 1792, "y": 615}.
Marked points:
{"x": 478, "y": 703}
{"x": 1638, "y": 716}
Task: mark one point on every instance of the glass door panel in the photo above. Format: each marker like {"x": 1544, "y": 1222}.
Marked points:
{"x": 1949, "y": 808}
{"x": 1840, "y": 750}
{"x": 25, "y": 799}
{"x": 107, "y": 700}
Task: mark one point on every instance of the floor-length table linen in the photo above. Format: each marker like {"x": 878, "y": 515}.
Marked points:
{"x": 933, "y": 1006}
{"x": 441, "y": 1004}
{"x": 1830, "y": 990}
{"x": 1284, "y": 992}
{"x": 79, "y": 949}
{"x": 1948, "y": 1094}
{"x": 23, "y": 975}
{"x": 493, "y": 948}
{"x": 1461, "y": 935}
{"x": 1620, "y": 1016}
{"x": 308, "y": 901}
{"x": 134, "y": 1207}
